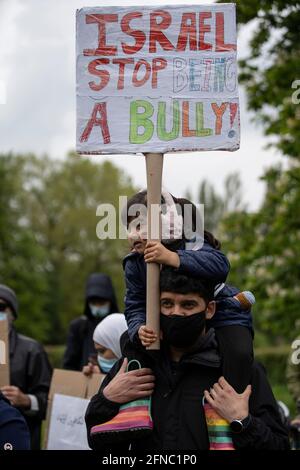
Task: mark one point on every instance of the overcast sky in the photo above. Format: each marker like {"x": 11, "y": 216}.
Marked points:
{"x": 37, "y": 67}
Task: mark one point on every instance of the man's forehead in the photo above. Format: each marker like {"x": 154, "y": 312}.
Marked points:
{"x": 180, "y": 297}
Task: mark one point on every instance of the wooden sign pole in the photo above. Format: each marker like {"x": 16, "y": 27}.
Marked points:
{"x": 154, "y": 167}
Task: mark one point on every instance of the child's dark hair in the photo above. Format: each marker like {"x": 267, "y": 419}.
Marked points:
{"x": 141, "y": 198}
{"x": 172, "y": 281}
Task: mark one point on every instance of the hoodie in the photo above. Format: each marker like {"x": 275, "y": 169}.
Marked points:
{"x": 80, "y": 344}
{"x": 99, "y": 285}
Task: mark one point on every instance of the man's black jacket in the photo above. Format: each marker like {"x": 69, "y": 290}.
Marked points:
{"x": 30, "y": 370}
{"x": 177, "y": 410}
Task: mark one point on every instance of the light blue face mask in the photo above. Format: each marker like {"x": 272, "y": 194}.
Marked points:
{"x": 99, "y": 311}
{"x": 105, "y": 364}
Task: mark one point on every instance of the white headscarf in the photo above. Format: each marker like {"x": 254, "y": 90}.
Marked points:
{"x": 108, "y": 332}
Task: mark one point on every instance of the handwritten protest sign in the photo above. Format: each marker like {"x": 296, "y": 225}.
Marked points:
{"x": 65, "y": 386}
{"x": 157, "y": 79}
{"x": 67, "y": 427}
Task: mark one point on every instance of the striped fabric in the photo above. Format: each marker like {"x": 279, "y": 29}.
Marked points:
{"x": 218, "y": 429}
{"x": 132, "y": 416}
{"x": 133, "y": 420}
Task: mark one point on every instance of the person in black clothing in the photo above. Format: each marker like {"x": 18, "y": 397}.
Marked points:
{"x": 30, "y": 371}
{"x": 100, "y": 301}
{"x": 187, "y": 369}
{"x": 14, "y": 432}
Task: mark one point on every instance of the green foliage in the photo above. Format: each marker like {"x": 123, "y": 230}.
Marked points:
{"x": 264, "y": 247}
{"x": 264, "y": 250}
{"x": 55, "y": 355}
{"x": 274, "y": 359}
{"x": 21, "y": 257}
{"x": 48, "y": 242}
{"x": 271, "y": 68}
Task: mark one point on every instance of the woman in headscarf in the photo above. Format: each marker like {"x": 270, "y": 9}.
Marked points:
{"x": 107, "y": 343}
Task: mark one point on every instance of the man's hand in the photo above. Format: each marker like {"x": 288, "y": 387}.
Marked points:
{"x": 226, "y": 402}
{"x": 128, "y": 386}
{"x": 156, "y": 252}
{"x": 16, "y": 397}
{"x": 90, "y": 369}
{"x": 147, "y": 336}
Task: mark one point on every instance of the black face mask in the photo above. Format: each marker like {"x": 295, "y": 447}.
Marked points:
{"x": 180, "y": 331}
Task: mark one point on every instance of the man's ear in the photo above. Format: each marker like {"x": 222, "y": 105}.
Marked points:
{"x": 210, "y": 310}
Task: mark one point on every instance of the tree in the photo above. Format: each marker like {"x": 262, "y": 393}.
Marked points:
{"x": 272, "y": 67}
{"x": 217, "y": 205}
{"x": 213, "y": 205}
{"x": 48, "y": 241}
{"x": 265, "y": 246}
{"x": 264, "y": 251}
{"x": 233, "y": 194}
{"x": 62, "y": 208}
{"x": 22, "y": 259}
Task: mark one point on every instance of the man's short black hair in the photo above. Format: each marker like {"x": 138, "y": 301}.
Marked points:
{"x": 172, "y": 281}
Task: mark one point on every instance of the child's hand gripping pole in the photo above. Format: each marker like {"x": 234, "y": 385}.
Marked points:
{"x": 154, "y": 167}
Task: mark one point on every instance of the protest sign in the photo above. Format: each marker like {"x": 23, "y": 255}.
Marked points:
{"x": 67, "y": 427}
{"x": 4, "y": 351}
{"x": 157, "y": 79}
{"x": 70, "y": 391}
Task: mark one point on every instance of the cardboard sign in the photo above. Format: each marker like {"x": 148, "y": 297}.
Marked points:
{"x": 157, "y": 79}
{"x": 4, "y": 351}
{"x": 69, "y": 384}
{"x": 67, "y": 427}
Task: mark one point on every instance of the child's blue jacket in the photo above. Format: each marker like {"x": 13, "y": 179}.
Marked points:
{"x": 207, "y": 263}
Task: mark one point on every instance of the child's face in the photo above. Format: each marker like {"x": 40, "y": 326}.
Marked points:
{"x": 137, "y": 238}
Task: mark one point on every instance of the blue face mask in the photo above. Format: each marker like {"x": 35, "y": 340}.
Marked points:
{"x": 99, "y": 312}
{"x": 105, "y": 364}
